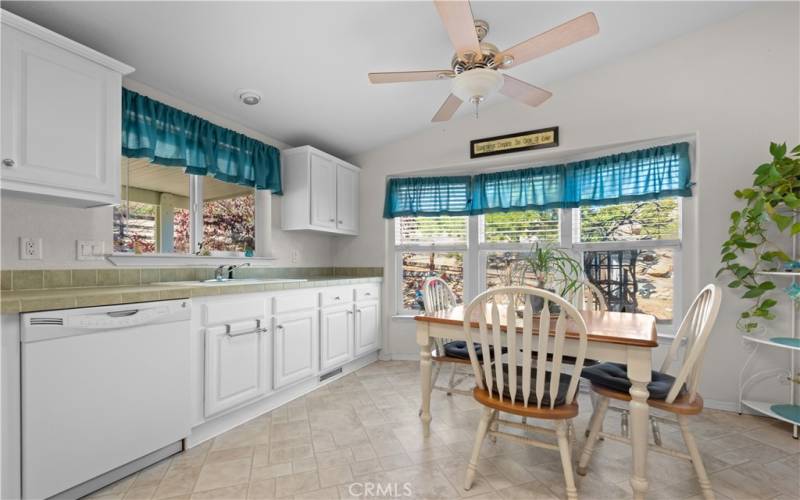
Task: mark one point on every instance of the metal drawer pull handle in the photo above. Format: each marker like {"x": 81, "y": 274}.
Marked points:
{"x": 8, "y": 162}
{"x": 122, "y": 314}
{"x": 349, "y": 312}
{"x": 279, "y": 327}
{"x": 367, "y": 294}
{"x": 337, "y": 298}
{"x": 257, "y": 329}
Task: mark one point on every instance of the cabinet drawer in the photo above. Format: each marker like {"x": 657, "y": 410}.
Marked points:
{"x": 227, "y": 311}
{"x": 368, "y": 292}
{"x": 294, "y": 302}
{"x": 336, "y": 295}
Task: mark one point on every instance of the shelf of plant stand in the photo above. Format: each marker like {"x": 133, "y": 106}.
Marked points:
{"x": 781, "y": 342}
{"x": 765, "y": 408}
{"x": 782, "y": 274}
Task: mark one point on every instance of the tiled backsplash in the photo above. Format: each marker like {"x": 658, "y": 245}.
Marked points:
{"x": 65, "y": 278}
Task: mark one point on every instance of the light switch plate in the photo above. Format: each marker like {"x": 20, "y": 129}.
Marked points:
{"x": 30, "y": 248}
{"x": 90, "y": 250}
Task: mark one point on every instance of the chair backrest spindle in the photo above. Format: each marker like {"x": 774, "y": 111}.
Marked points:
{"x": 491, "y": 313}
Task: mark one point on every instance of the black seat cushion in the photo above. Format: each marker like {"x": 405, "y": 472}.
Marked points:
{"x": 561, "y": 396}
{"x": 458, "y": 349}
{"x": 615, "y": 376}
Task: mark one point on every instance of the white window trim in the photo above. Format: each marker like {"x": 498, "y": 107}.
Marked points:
{"x": 263, "y": 236}
{"x": 475, "y": 259}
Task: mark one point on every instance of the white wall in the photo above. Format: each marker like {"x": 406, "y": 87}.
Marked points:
{"x": 733, "y": 85}
{"x": 60, "y": 227}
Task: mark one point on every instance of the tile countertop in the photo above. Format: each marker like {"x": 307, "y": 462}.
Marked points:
{"x": 49, "y": 299}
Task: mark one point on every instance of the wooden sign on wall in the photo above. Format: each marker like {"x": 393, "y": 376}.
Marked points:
{"x": 513, "y": 143}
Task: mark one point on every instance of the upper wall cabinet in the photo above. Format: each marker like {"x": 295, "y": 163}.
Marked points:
{"x": 61, "y": 123}
{"x": 320, "y": 192}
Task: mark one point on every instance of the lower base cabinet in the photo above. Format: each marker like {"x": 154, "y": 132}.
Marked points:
{"x": 336, "y": 336}
{"x": 368, "y": 323}
{"x": 296, "y": 346}
{"x": 237, "y": 362}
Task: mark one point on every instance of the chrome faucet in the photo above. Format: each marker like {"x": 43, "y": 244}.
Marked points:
{"x": 220, "y": 271}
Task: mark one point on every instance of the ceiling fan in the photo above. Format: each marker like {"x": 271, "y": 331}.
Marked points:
{"x": 476, "y": 63}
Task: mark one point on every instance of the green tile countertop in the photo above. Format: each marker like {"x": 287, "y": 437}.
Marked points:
{"x": 48, "y": 299}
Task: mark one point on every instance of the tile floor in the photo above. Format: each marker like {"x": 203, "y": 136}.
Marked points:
{"x": 363, "y": 429}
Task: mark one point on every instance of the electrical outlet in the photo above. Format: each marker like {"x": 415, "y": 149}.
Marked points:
{"x": 295, "y": 256}
{"x": 30, "y": 248}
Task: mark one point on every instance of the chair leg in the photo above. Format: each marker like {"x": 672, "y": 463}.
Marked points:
{"x": 595, "y": 423}
{"x": 562, "y": 431}
{"x": 593, "y": 398}
{"x": 450, "y": 383}
{"x": 573, "y": 438}
{"x": 697, "y": 460}
{"x": 483, "y": 427}
{"x": 494, "y": 426}
{"x": 656, "y": 431}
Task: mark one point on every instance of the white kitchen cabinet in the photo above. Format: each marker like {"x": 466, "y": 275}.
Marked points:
{"x": 323, "y": 198}
{"x": 368, "y": 326}
{"x": 336, "y": 336}
{"x": 61, "y": 121}
{"x": 237, "y": 364}
{"x": 320, "y": 192}
{"x": 237, "y": 353}
{"x": 346, "y": 199}
{"x": 296, "y": 346}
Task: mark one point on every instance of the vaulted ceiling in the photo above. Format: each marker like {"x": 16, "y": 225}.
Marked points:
{"x": 310, "y": 60}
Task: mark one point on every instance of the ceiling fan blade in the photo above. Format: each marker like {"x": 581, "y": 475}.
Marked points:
{"x": 559, "y": 37}
{"x": 524, "y": 92}
{"x": 460, "y": 25}
{"x": 410, "y": 76}
{"x": 447, "y": 110}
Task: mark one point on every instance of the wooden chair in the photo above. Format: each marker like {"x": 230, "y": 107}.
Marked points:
{"x": 517, "y": 387}
{"x": 438, "y": 296}
{"x": 681, "y": 399}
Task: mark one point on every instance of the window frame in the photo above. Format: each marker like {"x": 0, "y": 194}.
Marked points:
{"x": 399, "y": 250}
{"x": 476, "y": 253}
{"x": 262, "y": 242}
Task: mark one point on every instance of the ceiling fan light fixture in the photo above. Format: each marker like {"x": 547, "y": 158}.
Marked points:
{"x": 476, "y": 85}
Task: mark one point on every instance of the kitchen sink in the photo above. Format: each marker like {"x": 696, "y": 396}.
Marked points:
{"x": 232, "y": 281}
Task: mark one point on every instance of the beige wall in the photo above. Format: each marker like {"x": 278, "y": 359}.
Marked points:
{"x": 733, "y": 86}
{"x": 60, "y": 227}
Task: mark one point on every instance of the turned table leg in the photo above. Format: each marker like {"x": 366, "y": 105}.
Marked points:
{"x": 639, "y": 366}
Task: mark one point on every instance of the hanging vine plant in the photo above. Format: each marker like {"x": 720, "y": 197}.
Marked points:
{"x": 772, "y": 201}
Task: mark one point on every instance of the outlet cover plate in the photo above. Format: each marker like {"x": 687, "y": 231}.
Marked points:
{"x": 30, "y": 248}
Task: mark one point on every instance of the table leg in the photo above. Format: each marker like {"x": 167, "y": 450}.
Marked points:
{"x": 639, "y": 366}
{"x": 425, "y": 379}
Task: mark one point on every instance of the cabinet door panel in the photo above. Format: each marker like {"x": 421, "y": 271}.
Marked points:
{"x": 296, "y": 347}
{"x": 323, "y": 192}
{"x": 346, "y": 199}
{"x": 367, "y": 326}
{"x": 336, "y": 337}
{"x": 236, "y": 366}
{"x": 61, "y": 123}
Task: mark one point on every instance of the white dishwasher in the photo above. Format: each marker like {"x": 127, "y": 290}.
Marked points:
{"x": 102, "y": 387}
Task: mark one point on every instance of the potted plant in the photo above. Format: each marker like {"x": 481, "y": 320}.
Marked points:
{"x": 772, "y": 202}
{"x": 551, "y": 268}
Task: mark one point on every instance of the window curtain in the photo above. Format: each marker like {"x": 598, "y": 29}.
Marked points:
{"x": 646, "y": 174}
{"x": 427, "y": 196}
{"x": 516, "y": 190}
{"x": 171, "y": 137}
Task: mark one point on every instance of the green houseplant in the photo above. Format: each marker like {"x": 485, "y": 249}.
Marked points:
{"x": 772, "y": 202}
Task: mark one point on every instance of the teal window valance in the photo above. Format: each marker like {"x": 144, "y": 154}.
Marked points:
{"x": 171, "y": 137}
{"x": 427, "y": 196}
{"x": 646, "y": 174}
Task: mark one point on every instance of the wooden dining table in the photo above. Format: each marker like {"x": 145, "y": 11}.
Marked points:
{"x": 612, "y": 336}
